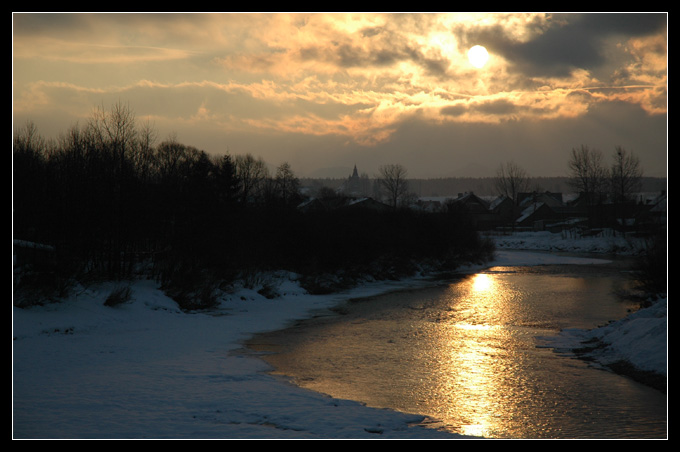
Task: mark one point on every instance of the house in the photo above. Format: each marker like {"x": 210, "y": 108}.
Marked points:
{"x": 428, "y": 205}
{"x": 340, "y": 203}
{"x": 312, "y": 205}
{"x": 658, "y": 211}
{"x": 470, "y": 202}
{"x": 504, "y": 209}
{"x": 535, "y": 215}
{"x": 476, "y": 209}
{"x": 652, "y": 216}
{"x": 367, "y": 203}
{"x": 551, "y": 199}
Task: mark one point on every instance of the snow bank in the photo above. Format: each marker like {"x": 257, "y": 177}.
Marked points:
{"x": 604, "y": 243}
{"x": 145, "y": 369}
{"x": 640, "y": 339}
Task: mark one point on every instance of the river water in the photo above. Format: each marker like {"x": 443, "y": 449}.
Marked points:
{"x": 466, "y": 353}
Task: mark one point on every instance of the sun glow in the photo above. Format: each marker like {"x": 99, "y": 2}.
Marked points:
{"x": 482, "y": 282}
{"x": 478, "y": 56}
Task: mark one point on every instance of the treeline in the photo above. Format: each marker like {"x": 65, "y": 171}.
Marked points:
{"x": 110, "y": 201}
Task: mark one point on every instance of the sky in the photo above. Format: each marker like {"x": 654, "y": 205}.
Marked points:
{"x": 327, "y": 91}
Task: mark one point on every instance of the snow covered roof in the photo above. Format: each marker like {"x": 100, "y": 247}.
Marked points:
{"x": 497, "y": 201}
{"x": 526, "y": 213}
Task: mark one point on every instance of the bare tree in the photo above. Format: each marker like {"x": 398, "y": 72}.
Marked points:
{"x": 169, "y": 156}
{"x": 511, "y": 180}
{"x": 114, "y": 130}
{"x": 625, "y": 175}
{"x": 287, "y": 185}
{"x": 27, "y": 139}
{"x": 251, "y": 174}
{"x": 111, "y": 140}
{"x": 392, "y": 179}
{"x": 587, "y": 174}
{"x": 144, "y": 157}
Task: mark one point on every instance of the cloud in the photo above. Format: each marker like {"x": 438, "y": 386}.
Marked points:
{"x": 356, "y": 80}
{"x": 564, "y": 42}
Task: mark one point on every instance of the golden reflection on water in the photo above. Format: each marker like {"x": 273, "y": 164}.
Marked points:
{"x": 482, "y": 282}
{"x": 465, "y": 354}
{"x": 472, "y": 376}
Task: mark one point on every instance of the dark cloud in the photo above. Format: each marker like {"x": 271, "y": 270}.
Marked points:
{"x": 497, "y": 107}
{"x": 453, "y": 110}
{"x": 580, "y": 95}
{"x": 31, "y": 23}
{"x": 371, "y": 31}
{"x": 541, "y": 148}
{"x": 347, "y": 56}
{"x": 572, "y": 41}
{"x": 494, "y": 109}
{"x": 85, "y": 23}
{"x": 629, "y": 24}
{"x": 378, "y": 47}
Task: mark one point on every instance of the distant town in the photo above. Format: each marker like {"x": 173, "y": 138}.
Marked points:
{"x": 551, "y": 205}
{"x": 447, "y": 187}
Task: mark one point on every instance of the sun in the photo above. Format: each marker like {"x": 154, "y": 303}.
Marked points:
{"x": 478, "y": 56}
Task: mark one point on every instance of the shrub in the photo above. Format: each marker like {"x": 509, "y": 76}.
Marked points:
{"x": 118, "y": 296}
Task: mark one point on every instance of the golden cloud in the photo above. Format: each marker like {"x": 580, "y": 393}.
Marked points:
{"x": 353, "y": 75}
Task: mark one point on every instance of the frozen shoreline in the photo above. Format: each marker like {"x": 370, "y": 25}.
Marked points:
{"x": 145, "y": 369}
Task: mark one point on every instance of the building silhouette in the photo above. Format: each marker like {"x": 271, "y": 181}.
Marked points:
{"x": 355, "y": 185}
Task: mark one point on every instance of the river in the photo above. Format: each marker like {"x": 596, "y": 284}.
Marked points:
{"x": 466, "y": 353}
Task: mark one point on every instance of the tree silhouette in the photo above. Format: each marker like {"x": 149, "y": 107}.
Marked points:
{"x": 625, "y": 175}
{"x": 587, "y": 173}
{"x": 110, "y": 201}
{"x": 511, "y": 180}
{"x": 392, "y": 180}
{"x": 287, "y": 185}
{"x": 251, "y": 174}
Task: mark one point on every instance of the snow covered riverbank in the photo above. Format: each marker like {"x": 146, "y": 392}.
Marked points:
{"x": 145, "y": 369}
{"x": 636, "y": 344}
{"x": 605, "y": 243}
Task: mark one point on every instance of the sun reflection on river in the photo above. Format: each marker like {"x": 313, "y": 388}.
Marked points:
{"x": 466, "y": 353}
{"x": 482, "y": 283}
{"x": 471, "y": 375}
